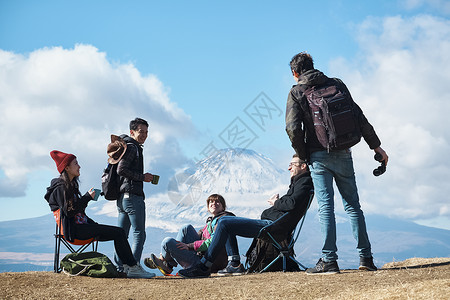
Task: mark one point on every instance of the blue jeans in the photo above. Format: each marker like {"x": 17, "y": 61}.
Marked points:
{"x": 324, "y": 167}
{"x": 226, "y": 231}
{"x": 132, "y": 214}
{"x": 173, "y": 255}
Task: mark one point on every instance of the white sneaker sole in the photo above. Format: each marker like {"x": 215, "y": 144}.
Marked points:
{"x": 230, "y": 274}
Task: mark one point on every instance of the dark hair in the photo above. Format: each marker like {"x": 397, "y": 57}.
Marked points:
{"x": 301, "y": 160}
{"x": 301, "y": 63}
{"x": 71, "y": 190}
{"x": 215, "y": 197}
{"x": 136, "y": 122}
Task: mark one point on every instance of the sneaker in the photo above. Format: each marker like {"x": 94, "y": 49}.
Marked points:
{"x": 160, "y": 264}
{"x": 231, "y": 270}
{"x": 137, "y": 271}
{"x": 324, "y": 268}
{"x": 366, "y": 263}
{"x": 148, "y": 262}
{"x": 197, "y": 271}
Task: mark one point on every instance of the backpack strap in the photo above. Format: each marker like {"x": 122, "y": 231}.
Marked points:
{"x": 303, "y": 101}
{"x": 84, "y": 269}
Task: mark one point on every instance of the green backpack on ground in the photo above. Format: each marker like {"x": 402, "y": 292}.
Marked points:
{"x": 92, "y": 264}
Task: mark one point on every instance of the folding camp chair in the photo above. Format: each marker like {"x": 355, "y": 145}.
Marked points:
{"x": 280, "y": 230}
{"x": 59, "y": 238}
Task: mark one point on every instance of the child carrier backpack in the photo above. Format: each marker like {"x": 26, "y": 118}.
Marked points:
{"x": 333, "y": 114}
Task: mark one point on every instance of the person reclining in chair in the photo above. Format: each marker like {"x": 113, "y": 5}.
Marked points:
{"x": 296, "y": 199}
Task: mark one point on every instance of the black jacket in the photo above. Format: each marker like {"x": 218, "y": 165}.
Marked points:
{"x": 131, "y": 168}
{"x": 57, "y": 200}
{"x": 299, "y": 124}
{"x": 296, "y": 198}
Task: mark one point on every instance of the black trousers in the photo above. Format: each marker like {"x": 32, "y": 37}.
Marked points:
{"x": 107, "y": 233}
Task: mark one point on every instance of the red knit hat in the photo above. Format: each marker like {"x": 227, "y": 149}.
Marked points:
{"x": 61, "y": 159}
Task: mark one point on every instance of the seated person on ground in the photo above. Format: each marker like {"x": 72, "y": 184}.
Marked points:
{"x": 187, "y": 248}
{"x": 296, "y": 199}
{"x": 64, "y": 194}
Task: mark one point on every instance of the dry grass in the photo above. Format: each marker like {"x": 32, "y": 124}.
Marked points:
{"x": 414, "y": 278}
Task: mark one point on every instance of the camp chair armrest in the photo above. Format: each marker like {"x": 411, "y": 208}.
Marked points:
{"x": 277, "y": 226}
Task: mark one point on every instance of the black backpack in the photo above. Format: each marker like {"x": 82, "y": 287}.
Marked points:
{"x": 110, "y": 183}
{"x": 333, "y": 114}
{"x": 110, "y": 179}
{"x": 262, "y": 252}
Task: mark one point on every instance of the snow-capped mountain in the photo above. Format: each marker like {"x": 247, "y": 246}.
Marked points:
{"x": 236, "y": 171}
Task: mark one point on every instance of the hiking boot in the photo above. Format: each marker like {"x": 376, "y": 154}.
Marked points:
{"x": 162, "y": 265}
{"x": 366, "y": 263}
{"x": 197, "y": 271}
{"x": 324, "y": 268}
{"x": 232, "y": 270}
{"x": 148, "y": 262}
{"x": 137, "y": 271}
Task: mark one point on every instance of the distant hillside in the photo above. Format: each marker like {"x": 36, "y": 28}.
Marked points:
{"x": 29, "y": 244}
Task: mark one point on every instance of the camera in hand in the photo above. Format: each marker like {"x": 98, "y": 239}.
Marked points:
{"x": 381, "y": 169}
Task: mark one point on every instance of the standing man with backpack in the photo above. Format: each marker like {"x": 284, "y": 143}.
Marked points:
{"x": 323, "y": 122}
{"x": 130, "y": 204}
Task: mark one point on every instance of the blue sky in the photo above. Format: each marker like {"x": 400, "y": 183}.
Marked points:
{"x": 73, "y": 72}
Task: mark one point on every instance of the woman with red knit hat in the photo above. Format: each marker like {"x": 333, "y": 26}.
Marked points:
{"x": 64, "y": 194}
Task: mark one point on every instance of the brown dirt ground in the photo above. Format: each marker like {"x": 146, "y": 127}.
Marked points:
{"x": 415, "y": 278}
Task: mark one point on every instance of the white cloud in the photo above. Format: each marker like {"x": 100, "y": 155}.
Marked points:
{"x": 400, "y": 79}
{"x": 72, "y": 100}
{"x": 442, "y": 6}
